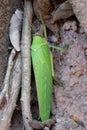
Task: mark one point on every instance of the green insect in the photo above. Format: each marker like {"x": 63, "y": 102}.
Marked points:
{"x": 44, "y": 73}
{"x": 43, "y": 70}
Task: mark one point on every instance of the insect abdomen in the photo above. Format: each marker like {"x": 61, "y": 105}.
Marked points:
{"x": 43, "y": 76}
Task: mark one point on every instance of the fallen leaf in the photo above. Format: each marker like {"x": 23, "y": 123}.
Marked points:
{"x": 15, "y": 28}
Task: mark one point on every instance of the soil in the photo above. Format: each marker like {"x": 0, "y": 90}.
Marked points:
{"x": 70, "y": 66}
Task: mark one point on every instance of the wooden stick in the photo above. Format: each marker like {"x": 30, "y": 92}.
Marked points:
{"x": 5, "y": 92}
{"x": 26, "y": 65}
{"x": 6, "y": 113}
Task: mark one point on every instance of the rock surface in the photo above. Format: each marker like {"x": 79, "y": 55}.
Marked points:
{"x": 72, "y": 70}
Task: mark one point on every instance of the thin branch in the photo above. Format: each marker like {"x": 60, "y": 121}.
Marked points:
{"x": 26, "y": 65}
{"x": 6, "y": 85}
{"x": 8, "y": 110}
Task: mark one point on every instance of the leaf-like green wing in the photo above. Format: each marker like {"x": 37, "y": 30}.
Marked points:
{"x": 43, "y": 75}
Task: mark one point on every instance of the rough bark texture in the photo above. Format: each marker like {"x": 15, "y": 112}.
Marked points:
{"x": 26, "y": 65}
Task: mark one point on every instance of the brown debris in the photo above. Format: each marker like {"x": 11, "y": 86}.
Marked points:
{"x": 55, "y": 3}
{"x": 80, "y": 10}
{"x": 3, "y": 103}
{"x": 45, "y": 8}
{"x": 40, "y": 125}
{"x": 77, "y": 120}
{"x": 62, "y": 12}
{"x": 70, "y": 25}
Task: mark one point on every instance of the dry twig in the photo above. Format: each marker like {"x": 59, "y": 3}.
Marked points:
{"x": 6, "y": 85}
{"x": 26, "y": 64}
{"x": 7, "y": 111}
